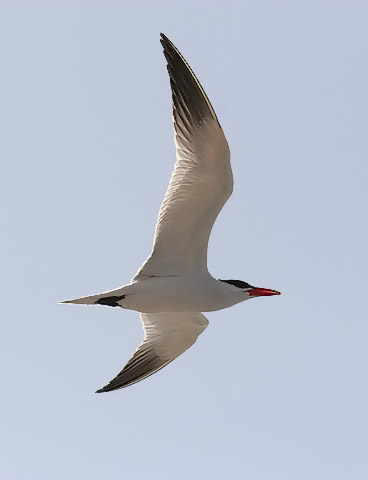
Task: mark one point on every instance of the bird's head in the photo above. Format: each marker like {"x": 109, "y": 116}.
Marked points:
{"x": 251, "y": 290}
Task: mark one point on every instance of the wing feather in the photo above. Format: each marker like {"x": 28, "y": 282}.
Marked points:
{"x": 167, "y": 335}
{"x": 202, "y": 180}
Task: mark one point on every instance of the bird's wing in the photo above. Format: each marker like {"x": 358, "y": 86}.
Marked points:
{"x": 167, "y": 335}
{"x": 202, "y": 180}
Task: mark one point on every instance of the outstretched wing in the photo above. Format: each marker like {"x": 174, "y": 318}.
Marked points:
{"x": 202, "y": 180}
{"x": 167, "y": 335}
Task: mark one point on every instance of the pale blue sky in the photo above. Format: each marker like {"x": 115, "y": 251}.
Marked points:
{"x": 276, "y": 388}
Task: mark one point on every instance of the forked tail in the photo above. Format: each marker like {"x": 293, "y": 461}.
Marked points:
{"x": 111, "y": 299}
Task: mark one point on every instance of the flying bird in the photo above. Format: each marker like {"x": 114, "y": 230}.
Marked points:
{"x": 173, "y": 287}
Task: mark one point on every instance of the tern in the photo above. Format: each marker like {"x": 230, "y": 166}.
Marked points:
{"x": 173, "y": 287}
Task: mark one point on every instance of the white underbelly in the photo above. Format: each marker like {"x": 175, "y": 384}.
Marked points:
{"x": 175, "y": 294}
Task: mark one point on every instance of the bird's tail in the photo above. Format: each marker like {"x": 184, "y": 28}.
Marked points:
{"x": 112, "y": 298}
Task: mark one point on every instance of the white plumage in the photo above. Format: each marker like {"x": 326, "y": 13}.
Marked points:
{"x": 173, "y": 286}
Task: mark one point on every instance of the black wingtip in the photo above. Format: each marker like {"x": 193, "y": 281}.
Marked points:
{"x": 189, "y": 96}
{"x": 166, "y": 42}
{"x": 106, "y": 388}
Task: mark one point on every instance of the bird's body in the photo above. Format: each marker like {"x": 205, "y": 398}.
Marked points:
{"x": 196, "y": 292}
{"x": 173, "y": 286}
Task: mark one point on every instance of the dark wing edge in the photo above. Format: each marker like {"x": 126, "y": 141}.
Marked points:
{"x": 143, "y": 363}
{"x": 167, "y": 335}
{"x": 191, "y": 105}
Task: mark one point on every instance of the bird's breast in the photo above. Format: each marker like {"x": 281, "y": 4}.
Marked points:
{"x": 178, "y": 294}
